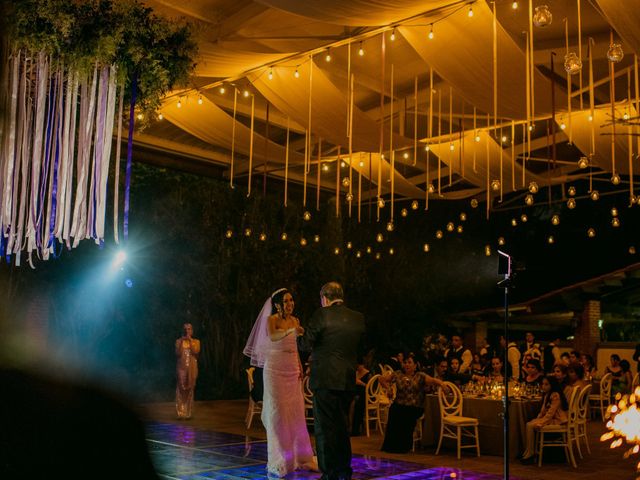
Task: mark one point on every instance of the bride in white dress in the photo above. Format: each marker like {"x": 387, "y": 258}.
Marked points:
{"x": 272, "y": 346}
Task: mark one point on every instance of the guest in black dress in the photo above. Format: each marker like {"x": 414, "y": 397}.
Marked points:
{"x": 407, "y": 407}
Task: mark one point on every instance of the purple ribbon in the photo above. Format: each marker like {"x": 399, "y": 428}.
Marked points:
{"x": 45, "y": 166}
{"x": 54, "y": 189}
{"x": 127, "y": 180}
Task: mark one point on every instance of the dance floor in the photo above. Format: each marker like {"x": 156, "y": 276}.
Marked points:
{"x": 185, "y": 452}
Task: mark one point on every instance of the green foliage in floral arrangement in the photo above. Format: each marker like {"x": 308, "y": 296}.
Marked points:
{"x": 159, "y": 52}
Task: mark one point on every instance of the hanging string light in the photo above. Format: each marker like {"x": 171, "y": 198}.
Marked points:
{"x": 431, "y": 35}
{"x": 542, "y": 16}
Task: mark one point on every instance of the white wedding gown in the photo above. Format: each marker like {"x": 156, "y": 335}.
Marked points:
{"x": 288, "y": 444}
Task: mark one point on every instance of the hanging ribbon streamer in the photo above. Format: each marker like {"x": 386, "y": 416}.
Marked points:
{"x": 351, "y": 100}
{"x": 532, "y": 66}
{"x": 318, "y": 178}
{"x": 580, "y": 51}
{"x": 415, "y": 121}
{"x": 338, "y": 165}
{"x": 495, "y": 93}
{"x": 116, "y": 181}
{"x": 629, "y": 133}
{"x": 380, "y": 153}
{"x": 475, "y": 135}
{"x": 127, "y": 178}
{"x": 439, "y": 137}
{"x": 429, "y": 135}
{"x": 360, "y": 189}
{"x": 461, "y": 141}
{"x": 527, "y": 140}
{"x": 592, "y": 112}
{"x": 233, "y": 137}
{"x": 392, "y": 157}
{"x": 488, "y": 139}
{"x": 612, "y": 95}
{"x": 569, "y": 83}
{"x": 253, "y": 118}
{"x": 513, "y": 155}
{"x": 450, "y": 162}
{"x": 286, "y": 167}
{"x": 265, "y": 168}
{"x": 308, "y": 150}
{"x": 637, "y": 112}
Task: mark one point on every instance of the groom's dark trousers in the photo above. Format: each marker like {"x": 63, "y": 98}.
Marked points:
{"x": 331, "y": 429}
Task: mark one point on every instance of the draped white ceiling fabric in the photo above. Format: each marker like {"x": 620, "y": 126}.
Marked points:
{"x": 267, "y": 48}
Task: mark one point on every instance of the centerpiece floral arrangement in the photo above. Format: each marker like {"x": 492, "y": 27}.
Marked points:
{"x": 73, "y": 66}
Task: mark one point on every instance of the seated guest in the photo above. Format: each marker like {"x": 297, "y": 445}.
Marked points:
{"x": 440, "y": 370}
{"x": 623, "y": 385}
{"x": 565, "y": 359}
{"x": 574, "y": 356}
{"x": 589, "y": 366}
{"x": 575, "y": 376}
{"x": 360, "y": 400}
{"x": 454, "y": 375}
{"x": 495, "y": 374}
{"x": 407, "y": 407}
{"x": 560, "y": 373}
{"x": 395, "y": 361}
{"x": 554, "y": 411}
{"x": 477, "y": 365}
{"x": 458, "y": 351}
{"x": 533, "y": 372}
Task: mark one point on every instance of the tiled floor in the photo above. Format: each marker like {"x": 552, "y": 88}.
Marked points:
{"x": 215, "y": 443}
{"x": 185, "y": 452}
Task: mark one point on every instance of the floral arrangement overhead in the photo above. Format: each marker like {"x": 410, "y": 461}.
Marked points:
{"x": 73, "y": 66}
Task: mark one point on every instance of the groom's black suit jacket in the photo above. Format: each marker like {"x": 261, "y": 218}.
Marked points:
{"x": 335, "y": 336}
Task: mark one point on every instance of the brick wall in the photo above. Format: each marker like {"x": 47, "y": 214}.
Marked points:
{"x": 587, "y": 334}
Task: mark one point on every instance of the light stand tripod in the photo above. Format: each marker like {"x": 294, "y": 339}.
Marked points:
{"x": 504, "y": 268}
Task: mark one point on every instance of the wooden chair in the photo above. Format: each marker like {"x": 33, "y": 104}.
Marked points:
{"x": 417, "y": 433}
{"x": 308, "y": 400}
{"x": 372, "y": 403}
{"x": 582, "y": 405}
{"x": 254, "y": 407}
{"x": 562, "y": 436}
{"x": 452, "y": 423}
{"x": 600, "y": 401}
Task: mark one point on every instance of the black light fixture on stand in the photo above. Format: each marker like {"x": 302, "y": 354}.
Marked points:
{"x": 505, "y": 264}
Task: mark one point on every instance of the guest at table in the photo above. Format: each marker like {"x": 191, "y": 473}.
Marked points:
{"x": 407, "y": 407}
{"x": 534, "y": 373}
{"x": 530, "y": 347}
{"x": 623, "y": 385}
{"x": 575, "y": 376}
{"x": 454, "y": 375}
{"x": 574, "y": 356}
{"x": 495, "y": 373}
{"x": 589, "y": 366}
{"x": 360, "y": 400}
{"x": 513, "y": 357}
{"x": 560, "y": 373}
{"x": 459, "y": 351}
{"x": 440, "y": 370}
{"x": 554, "y": 411}
{"x": 551, "y": 355}
{"x": 478, "y": 366}
{"x": 565, "y": 359}
{"x": 616, "y": 373}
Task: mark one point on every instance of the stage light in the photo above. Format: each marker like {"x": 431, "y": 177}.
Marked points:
{"x": 128, "y": 283}
{"x": 119, "y": 259}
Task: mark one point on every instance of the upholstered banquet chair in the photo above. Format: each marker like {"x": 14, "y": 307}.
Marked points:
{"x": 254, "y": 407}
{"x": 452, "y": 423}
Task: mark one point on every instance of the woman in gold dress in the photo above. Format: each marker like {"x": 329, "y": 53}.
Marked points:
{"x": 187, "y": 351}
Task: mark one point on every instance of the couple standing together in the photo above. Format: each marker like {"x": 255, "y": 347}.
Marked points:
{"x": 334, "y": 336}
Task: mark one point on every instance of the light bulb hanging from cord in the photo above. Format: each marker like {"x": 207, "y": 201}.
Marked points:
{"x": 328, "y": 55}
{"x": 514, "y": 5}
{"x": 431, "y": 35}
{"x": 361, "y": 50}
{"x": 470, "y": 12}
{"x": 393, "y": 35}
{"x": 296, "y": 73}
{"x": 270, "y": 73}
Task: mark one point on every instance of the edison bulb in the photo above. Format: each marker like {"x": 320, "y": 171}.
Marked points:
{"x": 474, "y": 203}
{"x": 514, "y": 222}
{"x": 439, "y": 234}
{"x": 583, "y": 162}
{"x": 414, "y": 205}
{"x": 550, "y": 240}
{"x": 404, "y": 212}
{"x": 495, "y": 185}
{"x": 632, "y": 250}
{"x": 247, "y": 232}
{"x": 528, "y": 199}
{"x": 390, "y": 227}
{"x": 380, "y": 202}
{"x": 615, "y": 222}
{"x": 459, "y": 229}
{"x": 391, "y": 251}
{"x": 614, "y": 212}
{"x": 336, "y": 251}
{"x": 572, "y": 191}
{"x": 524, "y": 218}
{"x": 358, "y": 254}
{"x": 349, "y": 197}
{"x": 425, "y": 247}
{"x": 615, "y": 179}
{"x": 450, "y": 227}
{"x": 463, "y": 217}
{"x": 379, "y": 238}
{"x": 229, "y": 233}
{"x": 555, "y": 220}
{"x": 595, "y": 195}
{"x": 316, "y": 238}
{"x": 533, "y": 187}
{"x": 571, "y": 203}
{"x": 487, "y": 250}
{"x": 591, "y": 233}
{"x": 303, "y": 242}
{"x": 284, "y": 236}
{"x": 500, "y": 240}
{"x": 349, "y": 245}
{"x": 346, "y": 182}
{"x": 431, "y": 188}
{"x": 306, "y": 216}
{"x": 263, "y": 237}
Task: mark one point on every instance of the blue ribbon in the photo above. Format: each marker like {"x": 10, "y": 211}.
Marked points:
{"x": 54, "y": 191}
{"x": 127, "y": 181}
{"x": 43, "y": 171}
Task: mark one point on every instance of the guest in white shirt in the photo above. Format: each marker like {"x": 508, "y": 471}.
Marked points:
{"x": 458, "y": 351}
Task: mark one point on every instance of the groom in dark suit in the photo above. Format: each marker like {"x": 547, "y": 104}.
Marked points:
{"x": 335, "y": 336}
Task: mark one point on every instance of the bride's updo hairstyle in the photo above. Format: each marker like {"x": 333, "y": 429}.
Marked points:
{"x": 278, "y": 299}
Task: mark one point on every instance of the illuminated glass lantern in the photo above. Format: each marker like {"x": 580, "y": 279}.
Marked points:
{"x": 572, "y": 64}
{"x": 615, "y": 53}
{"x": 542, "y": 16}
